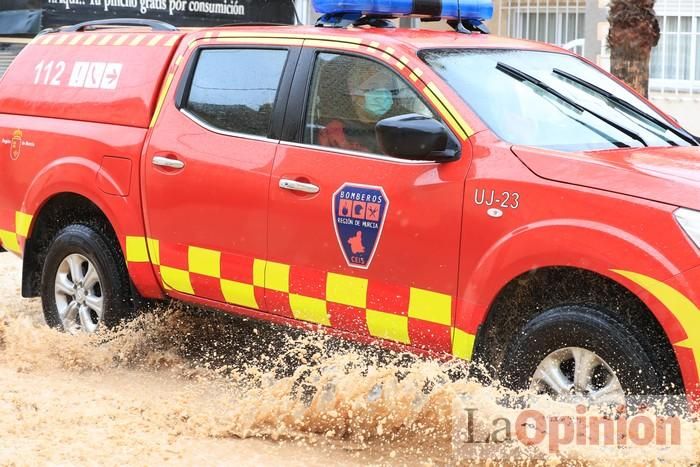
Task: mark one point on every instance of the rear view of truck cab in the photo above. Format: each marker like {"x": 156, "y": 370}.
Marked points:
{"x": 449, "y": 193}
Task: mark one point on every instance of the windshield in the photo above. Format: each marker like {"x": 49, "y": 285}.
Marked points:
{"x": 529, "y": 98}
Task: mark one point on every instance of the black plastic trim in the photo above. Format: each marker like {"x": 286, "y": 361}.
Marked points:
{"x": 293, "y": 128}
{"x": 427, "y": 7}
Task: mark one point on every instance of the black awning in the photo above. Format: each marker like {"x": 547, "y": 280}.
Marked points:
{"x": 20, "y": 22}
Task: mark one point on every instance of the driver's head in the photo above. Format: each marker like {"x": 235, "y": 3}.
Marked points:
{"x": 371, "y": 88}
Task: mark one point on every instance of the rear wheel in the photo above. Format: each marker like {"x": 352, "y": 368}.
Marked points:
{"x": 84, "y": 284}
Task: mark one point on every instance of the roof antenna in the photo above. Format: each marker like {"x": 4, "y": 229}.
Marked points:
{"x": 296, "y": 13}
{"x": 458, "y": 24}
{"x": 460, "y": 27}
{"x": 468, "y": 25}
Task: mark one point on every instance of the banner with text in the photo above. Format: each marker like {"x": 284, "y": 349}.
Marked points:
{"x": 176, "y": 12}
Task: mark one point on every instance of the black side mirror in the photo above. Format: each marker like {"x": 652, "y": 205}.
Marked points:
{"x": 417, "y": 137}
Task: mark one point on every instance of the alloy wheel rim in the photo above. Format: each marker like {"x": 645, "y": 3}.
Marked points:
{"x": 78, "y": 294}
{"x": 575, "y": 374}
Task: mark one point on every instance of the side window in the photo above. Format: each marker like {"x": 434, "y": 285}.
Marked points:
{"x": 235, "y": 89}
{"x": 349, "y": 95}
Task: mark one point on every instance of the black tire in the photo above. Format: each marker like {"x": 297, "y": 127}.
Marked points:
{"x": 592, "y": 330}
{"x": 107, "y": 259}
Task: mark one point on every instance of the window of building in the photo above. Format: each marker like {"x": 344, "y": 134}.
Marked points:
{"x": 675, "y": 62}
{"x": 235, "y": 89}
{"x": 559, "y": 22}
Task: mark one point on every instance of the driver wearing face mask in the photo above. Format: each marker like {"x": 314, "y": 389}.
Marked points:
{"x": 371, "y": 89}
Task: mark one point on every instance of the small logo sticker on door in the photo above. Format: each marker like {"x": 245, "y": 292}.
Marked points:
{"x": 358, "y": 217}
{"x": 16, "y": 145}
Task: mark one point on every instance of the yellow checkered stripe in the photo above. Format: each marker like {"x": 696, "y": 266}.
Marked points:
{"x": 424, "y": 306}
{"x": 99, "y": 39}
{"x": 11, "y": 239}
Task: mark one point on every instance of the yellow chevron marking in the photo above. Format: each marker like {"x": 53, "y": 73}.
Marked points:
{"x": 685, "y": 311}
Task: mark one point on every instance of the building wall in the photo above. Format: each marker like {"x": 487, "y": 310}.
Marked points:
{"x": 681, "y": 100}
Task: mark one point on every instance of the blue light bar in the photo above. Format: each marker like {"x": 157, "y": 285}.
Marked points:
{"x": 447, "y": 9}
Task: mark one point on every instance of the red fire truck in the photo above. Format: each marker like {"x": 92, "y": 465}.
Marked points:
{"x": 452, "y": 193}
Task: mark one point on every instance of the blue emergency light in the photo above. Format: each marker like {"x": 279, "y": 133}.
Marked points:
{"x": 479, "y": 10}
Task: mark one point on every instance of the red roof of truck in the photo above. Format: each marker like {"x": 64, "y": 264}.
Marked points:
{"x": 107, "y": 76}
{"x": 115, "y": 75}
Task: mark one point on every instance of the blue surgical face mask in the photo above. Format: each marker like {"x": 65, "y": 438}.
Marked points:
{"x": 378, "y": 102}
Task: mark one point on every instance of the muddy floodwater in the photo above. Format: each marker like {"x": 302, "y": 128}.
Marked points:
{"x": 186, "y": 386}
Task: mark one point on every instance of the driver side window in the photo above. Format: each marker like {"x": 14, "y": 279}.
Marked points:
{"x": 349, "y": 95}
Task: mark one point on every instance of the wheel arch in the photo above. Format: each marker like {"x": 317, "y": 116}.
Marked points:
{"x": 54, "y": 213}
{"x": 77, "y": 176}
{"x": 539, "y": 289}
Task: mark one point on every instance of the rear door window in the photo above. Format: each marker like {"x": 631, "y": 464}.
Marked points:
{"x": 234, "y": 90}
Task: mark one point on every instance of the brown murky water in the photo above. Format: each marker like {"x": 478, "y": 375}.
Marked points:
{"x": 184, "y": 386}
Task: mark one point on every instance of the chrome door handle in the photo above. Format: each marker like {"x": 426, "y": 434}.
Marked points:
{"x": 167, "y": 162}
{"x": 298, "y": 186}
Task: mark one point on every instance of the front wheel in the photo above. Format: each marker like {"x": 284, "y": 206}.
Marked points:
{"x": 84, "y": 283}
{"x": 575, "y": 353}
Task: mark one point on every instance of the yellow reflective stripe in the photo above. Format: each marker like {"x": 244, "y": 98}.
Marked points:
{"x": 452, "y": 113}
{"x": 445, "y": 113}
{"x": 462, "y": 344}
{"x": 259, "y": 267}
{"x": 171, "y": 42}
{"x": 430, "y": 306}
{"x": 105, "y": 40}
{"x": 388, "y": 326}
{"x": 277, "y": 277}
{"x": 204, "y": 262}
{"x": 90, "y": 39}
{"x": 177, "y": 279}
{"x": 9, "y": 241}
{"x": 266, "y": 41}
{"x": 161, "y": 98}
{"x": 22, "y": 223}
{"x": 346, "y": 290}
{"x": 309, "y": 309}
{"x": 238, "y": 293}
{"x": 154, "y": 40}
{"x": 75, "y": 40}
{"x": 685, "y": 311}
{"x": 47, "y": 40}
{"x": 291, "y": 36}
{"x": 121, "y": 39}
{"x": 331, "y": 43}
{"x": 136, "y": 250}
{"x": 154, "y": 250}
{"x": 60, "y": 39}
{"x": 137, "y": 40}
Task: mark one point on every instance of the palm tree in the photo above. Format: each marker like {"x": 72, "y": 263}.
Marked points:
{"x": 634, "y": 31}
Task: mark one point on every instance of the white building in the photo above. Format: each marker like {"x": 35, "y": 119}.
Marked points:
{"x": 581, "y": 25}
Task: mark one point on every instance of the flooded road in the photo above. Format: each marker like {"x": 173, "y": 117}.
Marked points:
{"x": 186, "y": 386}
